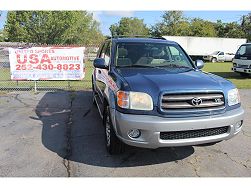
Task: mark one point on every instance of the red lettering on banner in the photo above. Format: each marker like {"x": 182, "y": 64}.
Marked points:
{"x": 24, "y": 59}
{"x": 45, "y": 58}
{"x": 34, "y": 59}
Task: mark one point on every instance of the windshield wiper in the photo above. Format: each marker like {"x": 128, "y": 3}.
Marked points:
{"x": 144, "y": 66}
{"x": 175, "y": 66}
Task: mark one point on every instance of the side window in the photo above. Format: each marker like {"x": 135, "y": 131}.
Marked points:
{"x": 222, "y": 53}
{"x": 102, "y": 53}
{"x": 107, "y": 53}
{"x": 100, "y": 50}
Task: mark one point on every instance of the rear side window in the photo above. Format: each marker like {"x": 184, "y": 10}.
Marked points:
{"x": 100, "y": 50}
{"x": 105, "y": 52}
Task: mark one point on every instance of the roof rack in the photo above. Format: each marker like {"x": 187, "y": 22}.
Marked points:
{"x": 136, "y": 36}
{"x": 130, "y": 36}
{"x": 158, "y": 38}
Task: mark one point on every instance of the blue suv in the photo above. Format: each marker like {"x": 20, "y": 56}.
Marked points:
{"x": 150, "y": 94}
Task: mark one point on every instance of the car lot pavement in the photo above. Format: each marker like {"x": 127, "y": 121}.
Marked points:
{"x": 61, "y": 134}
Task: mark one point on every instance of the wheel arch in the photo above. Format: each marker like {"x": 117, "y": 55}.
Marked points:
{"x": 110, "y": 100}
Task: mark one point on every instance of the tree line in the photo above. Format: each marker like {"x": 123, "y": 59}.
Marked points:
{"x": 174, "y": 23}
{"x": 80, "y": 27}
{"x": 52, "y": 27}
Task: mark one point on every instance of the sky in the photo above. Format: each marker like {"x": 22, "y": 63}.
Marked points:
{"x": 106, "y": 18}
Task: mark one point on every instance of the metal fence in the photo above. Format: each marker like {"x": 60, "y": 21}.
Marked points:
{"x": 6, "y": 84}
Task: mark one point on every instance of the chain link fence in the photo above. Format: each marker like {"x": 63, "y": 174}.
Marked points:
{"x": 6, "y": 84}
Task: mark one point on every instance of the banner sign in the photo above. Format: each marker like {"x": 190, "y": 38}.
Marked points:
{"x": 47, "y": 63}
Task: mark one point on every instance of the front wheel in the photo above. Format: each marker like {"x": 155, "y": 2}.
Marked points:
{"x": 113, "y": 144}
{"x": 214, "y": 60}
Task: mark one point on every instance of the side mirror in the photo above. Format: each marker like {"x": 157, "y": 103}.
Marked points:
{"x": 100, "y": 63}
{"x": 199, "y": 64}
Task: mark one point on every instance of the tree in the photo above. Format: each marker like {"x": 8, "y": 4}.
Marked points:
{"x": 246, "y": 25}
{"x": 130, "y": 27}
{"x": 173, "y": 23}
{"x": 2, "y": 36}
{"x": 202, "y": 28}
{"x": 229, "y": 30}
{"x": 52, "y": 27}
{"x": 234, "y": 30}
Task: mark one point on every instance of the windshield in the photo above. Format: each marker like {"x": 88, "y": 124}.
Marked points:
{"x": 244, "y": 50}
{"x": 215, "y": 53}
{"x": 130, "y": 54}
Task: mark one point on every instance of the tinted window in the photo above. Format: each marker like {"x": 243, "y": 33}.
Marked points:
{"x": 102, "y": 54}
{"x": 222, "y": 53}
{"x": 100, "y": 50}
{"x": 105, "y": 52}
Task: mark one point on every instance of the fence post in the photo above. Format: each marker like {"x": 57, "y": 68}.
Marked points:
{"x": 35, "y": 86}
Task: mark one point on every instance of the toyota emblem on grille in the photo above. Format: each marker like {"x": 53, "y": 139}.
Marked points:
{"x": 196, "y": 101}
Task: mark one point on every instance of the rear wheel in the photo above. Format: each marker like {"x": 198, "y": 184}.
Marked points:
{"x": 113, "y": 144}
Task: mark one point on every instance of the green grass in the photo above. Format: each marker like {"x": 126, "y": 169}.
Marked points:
{"x": 223, "y": 69}
{"x": 5, "y": 81}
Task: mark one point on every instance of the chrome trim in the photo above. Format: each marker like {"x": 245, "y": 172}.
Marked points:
{"x": 192, "y": 109}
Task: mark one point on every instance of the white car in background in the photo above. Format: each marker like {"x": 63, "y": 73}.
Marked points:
{"x": 219, "y": 56}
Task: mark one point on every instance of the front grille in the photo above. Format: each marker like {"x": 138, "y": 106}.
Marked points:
{"x": 243, "y": 66}
{"x": 176, "y": 135}
{"x": 188, "y": 101}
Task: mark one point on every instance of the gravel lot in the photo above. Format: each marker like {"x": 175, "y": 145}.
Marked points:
{"x": 60, "y": 134}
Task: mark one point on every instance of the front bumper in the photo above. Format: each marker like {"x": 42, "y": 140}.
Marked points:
{"x": 151, "y": 126}
{"x": 236, "y": 69}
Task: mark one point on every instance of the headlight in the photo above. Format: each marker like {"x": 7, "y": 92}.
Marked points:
{"x": 134, "y": 100}
{"x": 233, "y": 97}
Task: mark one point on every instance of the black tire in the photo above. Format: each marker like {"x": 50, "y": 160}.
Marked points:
{"x": 214, "y": 60}
{"x": 243, "y": 74}
{"x": 113, "y": 144}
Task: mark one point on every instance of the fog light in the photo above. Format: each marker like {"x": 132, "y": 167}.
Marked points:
{"x": 238, "y": 125}
{"x": 134, "y": 133}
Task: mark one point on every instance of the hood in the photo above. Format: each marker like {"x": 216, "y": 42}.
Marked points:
{"x": 154, "y": 81}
